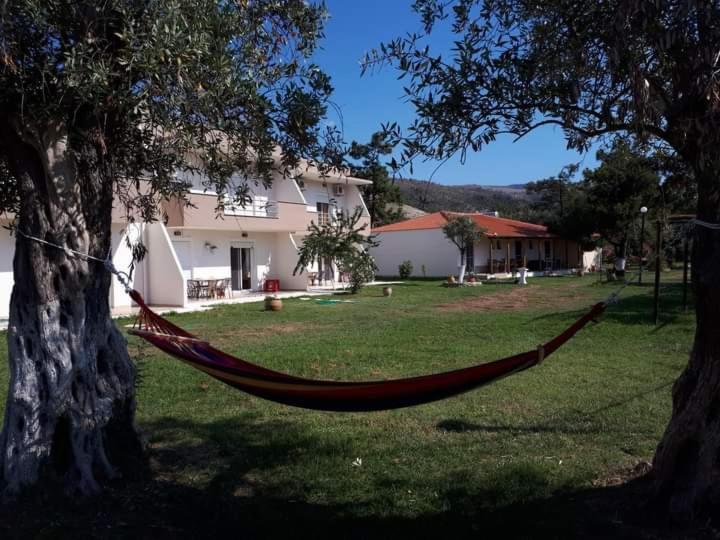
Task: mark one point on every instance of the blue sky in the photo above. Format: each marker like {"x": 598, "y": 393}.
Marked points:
{"x": 356, "y": 27}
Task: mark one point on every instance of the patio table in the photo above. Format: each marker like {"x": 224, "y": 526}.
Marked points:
{"x": 208, "y": 288}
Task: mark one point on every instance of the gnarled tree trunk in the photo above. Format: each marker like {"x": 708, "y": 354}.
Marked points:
{"x": 70, "y": 406}
{"x": 687, "y": 461}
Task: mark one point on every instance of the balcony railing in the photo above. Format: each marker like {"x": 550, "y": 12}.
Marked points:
{"x": 256, "y": 208}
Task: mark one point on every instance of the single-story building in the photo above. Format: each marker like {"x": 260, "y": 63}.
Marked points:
{"x": 506, "y": 245}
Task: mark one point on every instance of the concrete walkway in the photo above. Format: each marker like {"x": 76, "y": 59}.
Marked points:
{"x": 243, "y": 298}
{"x": 206, "y": 304}
{"x": 240, "y": 298}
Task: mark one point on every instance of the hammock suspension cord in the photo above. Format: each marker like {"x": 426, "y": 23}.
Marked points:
{"x": 123, "y": 277}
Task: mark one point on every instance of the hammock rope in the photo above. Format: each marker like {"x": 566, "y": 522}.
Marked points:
{"x": 325, "y": 394}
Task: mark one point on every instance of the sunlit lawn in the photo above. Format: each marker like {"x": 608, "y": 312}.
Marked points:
{"x": 593, "y": 411}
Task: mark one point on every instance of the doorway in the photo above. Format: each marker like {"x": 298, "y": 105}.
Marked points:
{"x": 325, "y": 270}
{"x": 241, "y": 268}
{"x": 518, "y": 253}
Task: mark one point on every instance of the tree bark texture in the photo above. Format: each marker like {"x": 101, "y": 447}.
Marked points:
{"x": 69, "y": 417}
{"x": 687, "y": 461}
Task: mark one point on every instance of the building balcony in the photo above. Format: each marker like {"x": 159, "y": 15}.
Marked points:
{"x": 259, "y": 215}
{"x": 262, "y": 209}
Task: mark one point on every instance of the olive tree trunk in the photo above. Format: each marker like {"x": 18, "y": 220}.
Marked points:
{"x": 687, "y": 461}
{"x": 69, "y": 417}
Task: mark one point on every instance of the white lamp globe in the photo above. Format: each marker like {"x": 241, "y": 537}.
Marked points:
{"x": 643, "y": 210}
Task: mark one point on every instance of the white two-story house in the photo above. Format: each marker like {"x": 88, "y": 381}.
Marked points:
{"x": 245, "y": 245}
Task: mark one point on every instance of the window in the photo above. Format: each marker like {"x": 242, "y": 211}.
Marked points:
{"x": 323, "y": 210}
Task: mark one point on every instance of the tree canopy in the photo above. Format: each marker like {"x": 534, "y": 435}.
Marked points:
{"x": 383, "y": 197}
{"x": 463, "y": 232}
{"x": 590, "y": 68}
{"x": 624, "y": 182}
{"x": 607, "y": 199}
{"x": 152, "y": 84}
{"x": 124, "y": 103}
{"x": 344, "y": 242}
{"x": 648, "y": 69}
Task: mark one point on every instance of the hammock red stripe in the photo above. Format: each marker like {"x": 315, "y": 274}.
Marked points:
{"x": 335, "y": 395}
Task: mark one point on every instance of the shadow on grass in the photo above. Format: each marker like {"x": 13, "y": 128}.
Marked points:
{"x": 634, "y": 310}
{"x": 207, "y": 483}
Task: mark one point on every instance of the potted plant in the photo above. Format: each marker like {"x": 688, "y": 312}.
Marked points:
{"x": 273, "y": 303}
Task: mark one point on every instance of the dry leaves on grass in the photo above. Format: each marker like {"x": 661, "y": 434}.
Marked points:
{"x": 231, "y": 336}
{"x": 517, "y": 298}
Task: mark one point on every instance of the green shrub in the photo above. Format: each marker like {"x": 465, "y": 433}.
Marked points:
{"x": 405, "y": 269}
{"x": 361, "y": 269}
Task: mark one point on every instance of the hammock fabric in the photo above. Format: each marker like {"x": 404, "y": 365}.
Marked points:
{"x": 331, "y": 395}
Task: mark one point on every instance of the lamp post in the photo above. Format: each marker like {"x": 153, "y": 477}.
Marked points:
{"x": 643, "y": 211}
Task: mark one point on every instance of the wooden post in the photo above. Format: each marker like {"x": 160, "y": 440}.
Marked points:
{"x": 540, "y": 249}
{"x": 686, "y": 250}
{"x": 507, "y": 259}
{"x": 658, "y": 258}
{"x": 490, "y": 260}
{"x": 567, "y": 256}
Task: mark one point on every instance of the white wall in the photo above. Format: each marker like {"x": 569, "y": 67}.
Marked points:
{"x": 427, "y": 247}
{"x": 353, "y": 199}
{"x": 315, "y": 192}
{"x": 283, "y": 189}
{"x": 165, "y": 283}
{"x": 287, "y": 190}
{"x": 122, "y": 259}
{"x": 7, "y": 252}
{"x": 592, "y": 259}
{"x": 286, "y": 257}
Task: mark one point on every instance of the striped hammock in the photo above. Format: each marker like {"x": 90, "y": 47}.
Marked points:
{"x": 331, "y": 395}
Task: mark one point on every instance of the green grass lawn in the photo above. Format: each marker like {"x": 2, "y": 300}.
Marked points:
{"x": 513, "y": 455}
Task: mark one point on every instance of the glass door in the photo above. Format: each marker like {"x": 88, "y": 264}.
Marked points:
{"x": 235, "y": 269}
{"x": 245, "y": 256}
{"x": 241, "y": 268}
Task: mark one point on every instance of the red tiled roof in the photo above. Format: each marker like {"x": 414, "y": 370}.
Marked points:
{"x": 493, "y": 226}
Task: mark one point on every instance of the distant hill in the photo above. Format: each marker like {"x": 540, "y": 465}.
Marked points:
{"x": 509, "y": 201}
{"x": 408, "y": 211}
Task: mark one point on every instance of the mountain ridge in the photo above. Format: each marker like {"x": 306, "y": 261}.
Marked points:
{"x": 509, "y": 201}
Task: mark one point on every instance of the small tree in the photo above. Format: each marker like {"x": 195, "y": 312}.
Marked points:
{"x": 342, "y": 241}
{"x": 463, "y": 232}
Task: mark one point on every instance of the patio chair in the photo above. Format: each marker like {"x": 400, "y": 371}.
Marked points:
{"x": 219, "y": 288}
{"x": 203, "y": 289}
{"x": 192, "y": 289}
